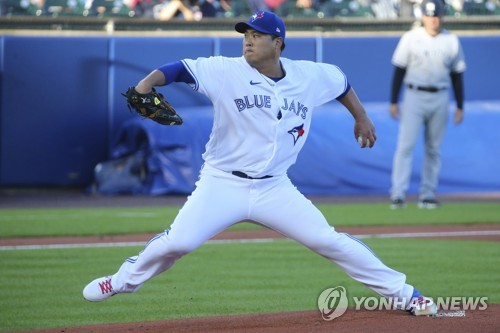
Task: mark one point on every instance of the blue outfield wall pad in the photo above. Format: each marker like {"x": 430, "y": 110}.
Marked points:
{"x": 331, "y": 161}
{"x": 69, "y": 121}
{"x": 53, "y": 109}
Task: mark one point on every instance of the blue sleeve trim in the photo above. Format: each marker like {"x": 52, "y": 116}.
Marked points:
{"x": 347, "y": 88}
{"x": 194, "y": 85}
{"x": 176, "y": 72}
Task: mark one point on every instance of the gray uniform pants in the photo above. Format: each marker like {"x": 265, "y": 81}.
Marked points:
{"x": 427, "y": 111}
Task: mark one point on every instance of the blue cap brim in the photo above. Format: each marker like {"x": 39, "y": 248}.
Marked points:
{"x": 242, "y": 27}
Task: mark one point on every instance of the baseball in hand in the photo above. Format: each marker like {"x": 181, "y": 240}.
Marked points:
{"x": 360, "y": 141}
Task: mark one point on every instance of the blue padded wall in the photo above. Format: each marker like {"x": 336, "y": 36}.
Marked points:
{"x": 482, "y": 77}
{"x": 53, "y": 109}
{"x": 133, "y": 58}
{"x": 61, "y": 108}
{"x": 366, "y": 61}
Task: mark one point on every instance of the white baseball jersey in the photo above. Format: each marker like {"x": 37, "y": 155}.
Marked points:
{"x": 429, "y": 60}
{"x": 280, "y": 112}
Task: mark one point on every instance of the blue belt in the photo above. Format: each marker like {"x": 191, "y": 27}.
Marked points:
{"x": 244, "y": 175}
{"x": 426, "y": 89}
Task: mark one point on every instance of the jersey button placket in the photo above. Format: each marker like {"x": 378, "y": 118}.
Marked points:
{"x": 277, "y": 96}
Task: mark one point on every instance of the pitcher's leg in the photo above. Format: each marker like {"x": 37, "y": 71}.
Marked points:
{"x": 157, "y": 256}
{"x": 214, "y": 206}
{"x": 293, "y": 215}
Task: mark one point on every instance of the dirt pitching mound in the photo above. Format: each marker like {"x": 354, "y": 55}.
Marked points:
{"x": 310, "y": 321}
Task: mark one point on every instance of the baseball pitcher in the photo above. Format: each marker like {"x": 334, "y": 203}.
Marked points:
{"x": 263, "y": 105}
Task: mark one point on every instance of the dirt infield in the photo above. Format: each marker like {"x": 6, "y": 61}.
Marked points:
{"x": 485, "y": 232}
{"x": 352, "y": 321}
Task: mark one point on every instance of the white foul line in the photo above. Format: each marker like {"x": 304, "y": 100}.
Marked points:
{"x": 433, "y": 234}
{"x": 257, "y": 240}
{"x": 123, "y": 244}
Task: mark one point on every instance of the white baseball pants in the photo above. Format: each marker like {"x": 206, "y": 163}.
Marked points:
{"x": 222, "y": 199}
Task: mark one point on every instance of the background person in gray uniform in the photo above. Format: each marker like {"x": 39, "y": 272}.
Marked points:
{"x": 427, "y": 59}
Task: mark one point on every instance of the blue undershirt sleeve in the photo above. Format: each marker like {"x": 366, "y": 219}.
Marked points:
{"x": 176, "y": 72}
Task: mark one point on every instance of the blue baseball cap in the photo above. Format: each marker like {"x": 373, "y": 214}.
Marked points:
{"x": 264, "y": 22}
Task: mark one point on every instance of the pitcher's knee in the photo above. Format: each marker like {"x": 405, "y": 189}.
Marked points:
{"x": 180, "y": 247}
{"x": 330, "y": 244}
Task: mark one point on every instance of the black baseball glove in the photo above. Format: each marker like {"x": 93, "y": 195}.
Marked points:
{"x": 153, "y": 106}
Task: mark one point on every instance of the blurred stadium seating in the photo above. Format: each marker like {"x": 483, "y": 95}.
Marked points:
{"x": 481, "y": 7}
{"x": 17, "y": 7}
{"x": 382, "y": 9}
{"x": 61, "y": 7}
{"x": 108, "y": 8}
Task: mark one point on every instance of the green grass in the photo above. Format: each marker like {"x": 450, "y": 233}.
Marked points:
{"x": 94, "y": 221}
{"x": 42, "y": 289}
{"x": 364, "y": 214}
{"x": 128, "y": 220}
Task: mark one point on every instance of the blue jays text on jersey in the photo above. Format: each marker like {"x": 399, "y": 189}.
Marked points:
{"x": 299, "y": 109}
{"x": 247, "y": 102}
{"x": 264, "y": 101}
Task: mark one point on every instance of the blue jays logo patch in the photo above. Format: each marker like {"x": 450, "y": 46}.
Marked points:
{"x": 297, "y": 132}
{"x": 258, "y": 15}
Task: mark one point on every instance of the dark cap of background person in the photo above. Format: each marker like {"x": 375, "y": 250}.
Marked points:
{"x": 433, "y": 8}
